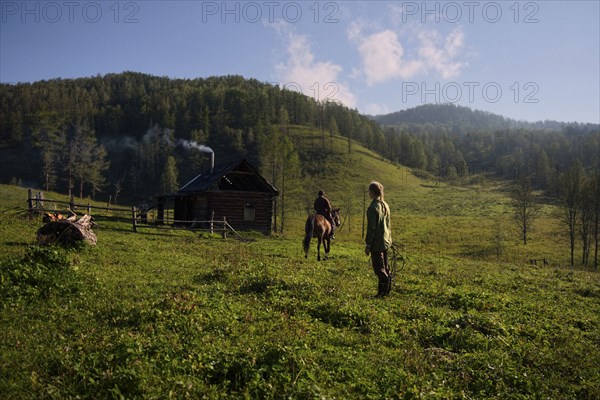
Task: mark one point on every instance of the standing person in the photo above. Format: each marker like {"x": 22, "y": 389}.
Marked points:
{"x": 323, "y": 207}
{"x": 379, "y": 238}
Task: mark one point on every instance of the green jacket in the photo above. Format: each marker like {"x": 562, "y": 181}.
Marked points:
{"x": 379, "y": 232}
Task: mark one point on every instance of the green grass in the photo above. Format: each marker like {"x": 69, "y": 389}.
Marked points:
{"x": 179, "y": 315}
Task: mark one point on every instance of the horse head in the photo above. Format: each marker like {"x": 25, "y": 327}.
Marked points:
{"x": 335, "y": 214}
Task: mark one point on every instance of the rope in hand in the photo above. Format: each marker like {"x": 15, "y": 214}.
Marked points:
{"x": 397, "y": 255}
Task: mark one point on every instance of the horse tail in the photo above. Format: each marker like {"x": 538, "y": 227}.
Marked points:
{"x": 309, "y": 230}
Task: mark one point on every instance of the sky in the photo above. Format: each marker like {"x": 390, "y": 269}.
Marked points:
{"x": 527, "y": 60}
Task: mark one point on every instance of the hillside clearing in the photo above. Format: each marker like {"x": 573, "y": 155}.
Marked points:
{"x": 178, "y": 315}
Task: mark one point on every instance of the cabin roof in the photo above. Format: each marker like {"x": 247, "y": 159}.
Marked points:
{"x": 237, "y": 175}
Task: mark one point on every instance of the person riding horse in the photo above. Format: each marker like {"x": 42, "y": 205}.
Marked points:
{"x": 317, "y": 226}
{"x": 323, "y": 207}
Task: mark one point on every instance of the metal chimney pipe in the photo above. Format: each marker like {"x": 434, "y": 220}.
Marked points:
{"x": 212, "y": 162}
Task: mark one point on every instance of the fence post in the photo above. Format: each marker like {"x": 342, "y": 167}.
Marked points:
{"x": 108, "y": 204}
{"x": 29, "y": 201}
{"x": 134, "y": 218}
{"x": 144, "y": 212}
{"x": 212, "y": 225}
{"x": 72, "y": 202}
{"x": 224, "y": 227}
{"x": 89, "y": 208}
{"x": 160, "y": 207}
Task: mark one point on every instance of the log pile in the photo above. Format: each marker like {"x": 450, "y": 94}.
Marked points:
{"x": 55, "y": 216}
{"x": 67, "y": 231}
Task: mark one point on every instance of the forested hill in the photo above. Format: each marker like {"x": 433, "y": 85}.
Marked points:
{"x": 133, "y": 135}
{"x": 452, "y": 118}
{"x": 126, "y": 133}
{"x": 453, "y": 142}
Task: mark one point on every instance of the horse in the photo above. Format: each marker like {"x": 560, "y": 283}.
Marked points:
{"x": 318, "y": 226}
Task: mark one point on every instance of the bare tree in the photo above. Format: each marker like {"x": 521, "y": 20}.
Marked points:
{"x": 586, "y": 218}
{"x": 119, "y": 185}
{"x": 570, "y": 183}
{"x": 525, "y": 207}
{"x": 594, "y": 196}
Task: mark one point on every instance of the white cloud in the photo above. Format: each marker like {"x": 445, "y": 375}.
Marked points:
{"x": 318, "y": 79}
{"x": 384, "y": 57}
{"x": 440, "y": 57}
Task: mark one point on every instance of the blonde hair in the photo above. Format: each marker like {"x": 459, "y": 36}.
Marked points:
{"x": 377, "y": 189}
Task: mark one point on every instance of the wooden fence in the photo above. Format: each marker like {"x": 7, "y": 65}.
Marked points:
{"x": 37, "y": 204}
{"x": 138, "y": 217}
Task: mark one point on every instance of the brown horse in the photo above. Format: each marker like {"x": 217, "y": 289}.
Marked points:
{"x": 318, "y": 226}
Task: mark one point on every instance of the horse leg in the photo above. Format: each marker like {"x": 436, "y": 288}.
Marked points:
{"x": 326, "y": 246}
{"x": 309, "y": 230}
{"x": 320, "y": 238}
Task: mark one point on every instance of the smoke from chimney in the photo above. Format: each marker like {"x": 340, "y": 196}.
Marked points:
{"x": 166, "y": 135}
{"x": 191, "y": 145}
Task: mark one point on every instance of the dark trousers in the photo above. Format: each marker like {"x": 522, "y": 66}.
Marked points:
{"x": 379, "y": 260}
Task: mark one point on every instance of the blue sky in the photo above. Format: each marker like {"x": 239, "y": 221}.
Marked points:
{"x": 530, "y": 60}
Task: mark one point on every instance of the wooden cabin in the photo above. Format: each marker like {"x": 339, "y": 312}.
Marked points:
{"x": 235, "y": 190}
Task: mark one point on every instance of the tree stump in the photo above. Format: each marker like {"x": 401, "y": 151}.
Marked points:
{"x": 67, "y": 232}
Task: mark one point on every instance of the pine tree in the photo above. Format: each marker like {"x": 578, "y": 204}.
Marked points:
{"x": 168, "y": 179}
{"x": 86, "y": 159}
{"x": 51, "y": 144}
{"x": 542, "y": 169}
{"x": 98, "y": 165}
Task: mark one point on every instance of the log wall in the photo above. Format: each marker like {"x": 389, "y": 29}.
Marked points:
{"x": 229, "y": 204}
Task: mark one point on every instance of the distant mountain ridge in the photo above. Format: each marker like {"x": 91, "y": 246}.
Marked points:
{"x": 448, "y": 142}
{"x": 455, "y": 118}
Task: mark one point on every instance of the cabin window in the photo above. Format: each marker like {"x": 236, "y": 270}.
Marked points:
{"x": 249, "y": 212}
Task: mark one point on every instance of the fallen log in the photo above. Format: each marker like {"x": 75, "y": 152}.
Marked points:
{"x": 67, "y": 232}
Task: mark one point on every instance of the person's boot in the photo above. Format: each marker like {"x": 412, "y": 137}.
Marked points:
{"x": 388, "y": 287}
{"x": 381, "y": 289}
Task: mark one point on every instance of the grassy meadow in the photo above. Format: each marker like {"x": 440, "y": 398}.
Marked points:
{"x": 161, "y": 314}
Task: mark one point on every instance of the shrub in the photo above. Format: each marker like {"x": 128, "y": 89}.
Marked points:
{"x": 38, "y": 273}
